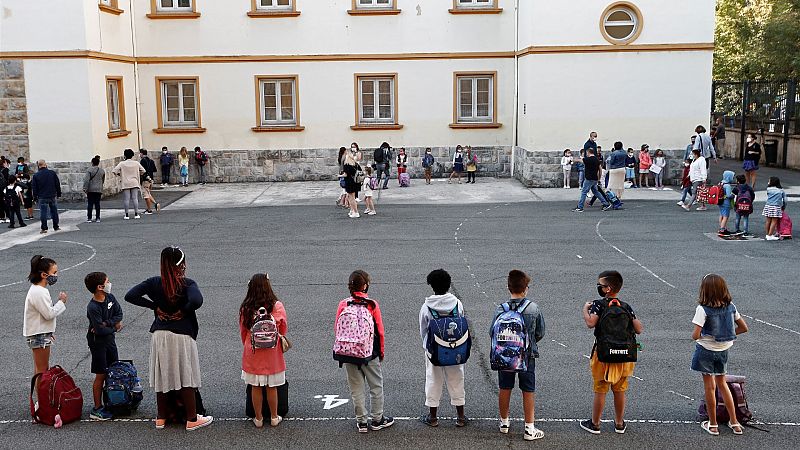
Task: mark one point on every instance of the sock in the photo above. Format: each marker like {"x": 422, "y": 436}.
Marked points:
{"x": 529, "y": 426}
{"x": 505, "y": 422}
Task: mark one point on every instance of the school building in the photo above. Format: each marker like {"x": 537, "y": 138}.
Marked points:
{"x": 272, "y": 88}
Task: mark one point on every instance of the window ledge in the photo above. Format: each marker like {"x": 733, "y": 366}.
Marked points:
{"x": 269, "y": 129}
{"x": 177, "y": 130}
{"x": 110, "y": 9}
{"x": 475, "y": 125}
{"x": 476, "y": 10}
{"x": 373, "y": 12}
{"x": 267, "y": 14}
{"x": 174, "y": 15}
{"x": 118, "y": 133}
{"x": 377, "y": 126}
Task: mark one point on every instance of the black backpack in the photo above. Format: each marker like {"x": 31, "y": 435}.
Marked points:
{"x": 10, "y": 196}
{"x": 615, "y": 338}
{"x": 378, "y": 156}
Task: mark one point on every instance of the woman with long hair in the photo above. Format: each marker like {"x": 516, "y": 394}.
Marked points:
{"x": 752, "y": 156}
{"x": 174, "y": 363}
{"x": 262, "y": 367}
{"x": 351, "y": 169}
{"x": 183, "y": 163}
{"x": 342, "y": 200}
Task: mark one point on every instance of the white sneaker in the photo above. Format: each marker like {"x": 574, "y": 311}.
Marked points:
{"x": 126, "y": 218}
{"x": 680, "y": 203}
{"x": 353, "y": 215}
{"x": 358, "y": 200}
{"x": 137, "y": 217}
{"x": 371, "y": 213}
{"x": 771, "y": 238}
{"x": 505, "y": 424}
{"x": 366, "y": 211}
{"x": 532, "y": 433}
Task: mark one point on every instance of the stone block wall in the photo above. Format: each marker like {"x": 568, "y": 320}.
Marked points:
{"x": 13, "y": 111}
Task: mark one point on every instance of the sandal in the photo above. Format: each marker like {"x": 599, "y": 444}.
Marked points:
{"x": 429, "y": 421}
{"x": 462, "y": 421}
{"x": 708, "y": 427}
{"x": 736, "y": 427}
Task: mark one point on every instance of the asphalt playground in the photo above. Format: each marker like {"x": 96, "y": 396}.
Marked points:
{"x": 309, "y": 248}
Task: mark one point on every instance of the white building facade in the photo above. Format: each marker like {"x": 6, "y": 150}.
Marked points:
{"x": 308, "y": 76}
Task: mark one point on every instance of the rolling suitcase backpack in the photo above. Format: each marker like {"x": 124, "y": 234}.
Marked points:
{"x": 405, "y": 180}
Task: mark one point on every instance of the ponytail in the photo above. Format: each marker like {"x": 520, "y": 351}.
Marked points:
{"x": 173, "y": 262}
{"x": 39, "y": 265}
{"x": 358, "y": 282}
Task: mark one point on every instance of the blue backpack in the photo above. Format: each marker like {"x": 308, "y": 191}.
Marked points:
{"x": 510, "y": 347}
{"x": 122, "y": 391}
{"x": 448, "y": 342}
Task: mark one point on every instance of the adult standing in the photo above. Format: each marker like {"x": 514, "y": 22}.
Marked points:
{"x": 130, "y": 171}
{"x": 383, "y": 158}
{"x": 579, "y": 166}
{"x": 93, "y": 182}
{"x": 201, "y": 159}
{"x": 174, "y": 362}
{"x": 147, "y": 182}
{"x": 342, "y": 200}
{"x": 616, "y": 170}
{"x": 352, "y": 184}
{"x": 46, "y": 189}
{"x": 687, "y": 155}
{"x": 166, "y": 161}
{"x": 402, "y": 162}
{"x": 752, "y": 156}
{"x": 593, "y": 171}
{"x": 698, "y": 174}
{"x": 718, "y": 135}
{"x": 356, "y": 152}
{"x": 704, "y": 144}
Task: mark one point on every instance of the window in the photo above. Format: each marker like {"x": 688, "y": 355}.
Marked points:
{"x": 474, "y": 100}
{"x": 277, "y": 106}
{"x": 173, "y": 9}
{"x": 174, "y": 5}
{"x": 376, "y": 101}
{"x": 115, "y": 99}
{"x": 110, "y": 6}
{"x": 274, "y": 4}
{"x": 273, "y": 8}
{"x": 621, "y": 23}
{"x": 179, "y": 105}
{"x": 367, "y": 7}
{"x": 475, "y": 7}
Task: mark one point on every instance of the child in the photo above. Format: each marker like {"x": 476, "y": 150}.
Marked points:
{"x": 743, "y": 192}
{"x": 366, "y": 186}
{"x": 644, "y": 166}
{"x": 427, "y": 165}
{"x": 471, "y": 165}
{"x": 12, "y": 196}
{"x": 105, "y": 319}
{"x": 660, "y": 163}
{"x": 566, "y": 166}
{"x": 368, "y": 374}
{"x": 518, "y": 282}
{"x": 402, "y": 163}
{"x": 727, "y": 202}
{"x": 716, "y": 325}
{"x": 773, "y": 209}
{"x": 27, "y": 194}
{"x": 262, "y": 366}
{"x": 443, "y": 303}
{"x": 183, "y": 163}
{"x": 458, "y": 164}
{"x": 686, "y": 182}
{"x": 630, "y": 168}
{"x": 608, "y": 375}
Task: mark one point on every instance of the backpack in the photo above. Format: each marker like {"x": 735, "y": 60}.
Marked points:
{"x": 405, "y": 180}
{"x": 744, "y": 203}
{"x": 615, "y": 339}
{"x": 10, "y": 196}
{"x": 122, "y": 390}
{"x": 354, "y": 334}
{"x": 510, "y": 346}
{"x": 716, "y": 194}
{"x": 264, "y": 333}
{"x": 702, "y": 193}
{"x": 373, "y": 183}
{"x": 743, "y": 413}
{"x": 785, "y": 226}
{"x": 448, "y": 342}
{"x": 378, "y": 156}
{"x": 60, "y": 400}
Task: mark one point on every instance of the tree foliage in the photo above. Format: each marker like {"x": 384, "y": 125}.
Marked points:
{"x": 757, "y": 39}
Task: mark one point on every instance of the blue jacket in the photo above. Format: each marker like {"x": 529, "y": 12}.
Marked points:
{"x": 617, "y": 159}
{"x": 775, "y": 196}
{"x": 719, "y": 323}
{"x": 727, "y": 180}
{"x": 45, "y": 184}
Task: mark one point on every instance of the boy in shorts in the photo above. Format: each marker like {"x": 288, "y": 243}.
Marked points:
{"x": 608, "y": 375}
{"x": 105, "y": 319}
{"x": 534, "y": 325}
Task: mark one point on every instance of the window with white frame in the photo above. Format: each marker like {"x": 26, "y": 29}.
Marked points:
{"x": 466, "y": 4}
{"x": 114, "y": 114}
{"x": 376, "y": 100}
{"x": 274, "y": 5}
{"x": 370, "y": 4}
{"x": 621, "y": 23}
{"x": 278, "y": 102}
{"x": 174, "y": 5}
{"x": 179, "y": 103}
{"x": 475, "y": 94}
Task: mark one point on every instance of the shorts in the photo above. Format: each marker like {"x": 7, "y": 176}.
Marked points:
{"x": 749, "y": 166}
{"x": 146, "y": 185}
{"x": 104, "y": 352}
{"x": 708, "y": 362}
{"x": 27, "y": 202}
{"x": 368, "y": 193}
{"x": 274, "y": 380}
{"x": 643, "y": 171}
{"x": 629, "y": 172}
{"x": 43, "y": 340}
{"x": 724, "y": 211}
{"x": 527, "y": 380}
{"x": 428, "y": 171}
{"x": 609, "y": 375}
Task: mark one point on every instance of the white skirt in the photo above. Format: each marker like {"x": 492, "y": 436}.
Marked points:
{"x": 274, "y": 380}
{"x": 174, "y": 363}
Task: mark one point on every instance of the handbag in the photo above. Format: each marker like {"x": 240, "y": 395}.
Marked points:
{"x": 286, "y": 344}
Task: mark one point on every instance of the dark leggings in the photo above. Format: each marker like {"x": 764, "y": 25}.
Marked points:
{"x": 470, "y": 176}
{"x": 93, "y": 203}
{"x": 188, "y": 399}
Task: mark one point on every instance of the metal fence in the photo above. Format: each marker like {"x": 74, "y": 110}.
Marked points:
{"x": 758, "y": 106}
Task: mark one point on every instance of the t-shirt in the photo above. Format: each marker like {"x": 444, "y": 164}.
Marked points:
{"x": 719, "y": 133}
{"x": 708, "y": 342}
{"x": 592, "y": 166}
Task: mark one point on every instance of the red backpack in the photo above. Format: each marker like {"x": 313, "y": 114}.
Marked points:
{"x": 60, "y": 400}
{"x": 716, "y": 194}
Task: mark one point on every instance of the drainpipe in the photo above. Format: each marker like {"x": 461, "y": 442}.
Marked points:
{"x": 135, "y": 77}
{"x": 515, "y": 122}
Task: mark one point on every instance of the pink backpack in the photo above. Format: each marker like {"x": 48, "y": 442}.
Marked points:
{"x": 354, "y": 334}
{"x": 785, "y": 226}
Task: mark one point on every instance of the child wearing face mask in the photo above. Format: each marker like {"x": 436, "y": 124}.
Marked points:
{"x": 630, "y": 168}
{"x": 427, "y": 165}
{"x": 105, "y": 318}
{"x": 566, "y": 166}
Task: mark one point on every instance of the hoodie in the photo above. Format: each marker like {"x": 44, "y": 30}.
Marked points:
{"x": 442, "y": 304}
{"x": 727, "y": 184}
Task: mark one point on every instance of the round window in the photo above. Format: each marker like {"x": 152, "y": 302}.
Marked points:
{"x": 621, "y": 23}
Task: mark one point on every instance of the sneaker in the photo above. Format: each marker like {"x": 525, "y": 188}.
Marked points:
{"x": 202, "y": 421}
{"x": 23, "y": 224}
{"x": 353, "y": 216}
{"x": 258, "y": 423}
{"x": 363, "y": 427}
{"x": 371, "y": 213}
{"x": 43, "y": 232}
{"x": 137, "y": 217}
{"x": 385, "y": 422}
{"x": 89, "y": 221}
{"x": 56, "y": 228}
{"x": 505, "y": 424}
{"x": 97, "y": 220}
{"x": 771, "y": 238}
{"x": 148, "y": 213}
{"x": 687, "y": 207}
{"x": 724, "y": 232}
{"x": 532, "y": 433}
{"x": 607, "y": 207}
{"x": 160, "y": 424}
{"x": 126, "y": 217}
{"x": 749, "y": 235}
{"x": 680, "y": 203}
{"x": 577, "y": 210}
{"x": 11, "y": 226}
{"x": 589, "y": 426}
{"x": 276, "y": 421}
{"x": 366, "y": 211}
{"x": 738, "y": 233}
{"x": 100, "y": 414}
{"x": 620, "y": 429}
{"x": 701, "y": 208}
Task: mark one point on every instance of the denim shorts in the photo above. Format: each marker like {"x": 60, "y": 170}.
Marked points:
{"x": 527, "y": 380}
{"x": 708, "y": 362}
{"x": 43, "y": 340}
{"x": 724, "y": 211}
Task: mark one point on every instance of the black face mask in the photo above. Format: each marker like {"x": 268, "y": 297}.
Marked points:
{"x": 600, "y": 291}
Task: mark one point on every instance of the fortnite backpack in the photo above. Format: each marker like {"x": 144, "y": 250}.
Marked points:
{"x": 615, "y": 339}
{"x": 448, "y": 342}
{"x": 510, "y": 346}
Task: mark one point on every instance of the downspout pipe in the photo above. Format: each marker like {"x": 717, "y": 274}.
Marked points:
{"x": 515, "y": 121}
{"x": 136, "y": 76}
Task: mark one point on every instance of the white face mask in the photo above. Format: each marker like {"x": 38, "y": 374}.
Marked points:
{"x": 749, "y": 140}
{"x": 107, "y": 288}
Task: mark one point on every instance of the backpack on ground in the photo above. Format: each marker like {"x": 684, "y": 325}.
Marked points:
{"x": 744, "y": 203}
{"x": 354, "y": 333}
{"x": 405, "y": 180}
{"x": 378, "y": 156}
{"x": 510, "y": 346}
{"x": 785, "y": 226}
{"x": 716, "y": 194}
{"x": 283, "y": 401}
{"x": 615, "y": 338}
{"x": 743, "y": 413}
{"x": 60, "y": 400}
{"x": 449, "y": 341}
{"x": 122, "y": 390}
{"x": 264, "y": 332}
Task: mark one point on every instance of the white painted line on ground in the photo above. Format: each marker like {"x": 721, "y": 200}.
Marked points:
{"x": 772, "y": 324}
{"x": 559, "y": 343}
{"x": 579, "y": 256}
{"x": 681, "y": 395}
{"x": 587, "y": 356}
{"x": 748, "y": 257}
{"x": 597, "y": 231}
{"x": 634, "y": 376}
{"x": 94, "y": 253}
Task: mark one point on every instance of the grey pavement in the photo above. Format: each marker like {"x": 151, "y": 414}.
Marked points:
{"x": 309, "y": 250}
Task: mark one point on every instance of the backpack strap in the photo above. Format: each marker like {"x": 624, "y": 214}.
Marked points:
{"x": 34, "y": 414}
{"x": 434, "y": 314}
{"x": 506, "y": 307}
{"x": 524, "y": 304}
